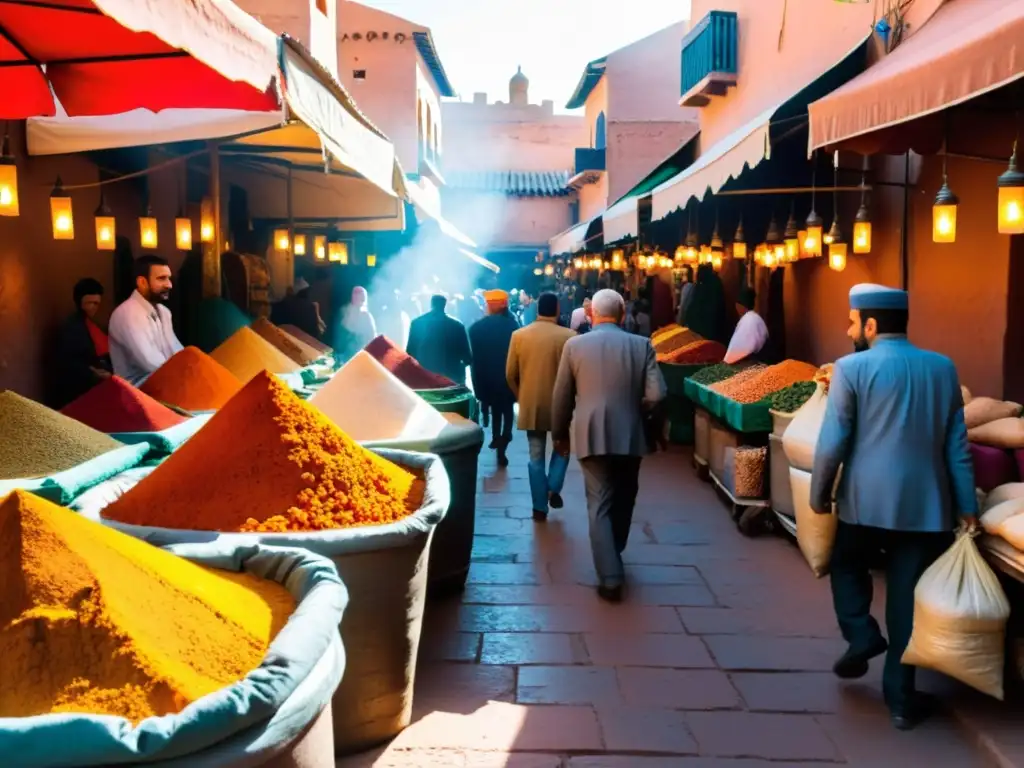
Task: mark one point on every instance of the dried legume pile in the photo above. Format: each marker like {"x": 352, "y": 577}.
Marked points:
{"x": 735, "y": 383}
{"x": 95, "y": 621}
{"x": 36, "y": 441}
{"x": 699, "y": 352}
{"x": 715, "y": 373}
{"x": 269, "y": 461}
{"x": 678, "y": 339}
{"x": 750, "y": 471}
{"x": 766, "y": 381}
{"x": 791, "y": 398}
{"x": 299, "y": 351}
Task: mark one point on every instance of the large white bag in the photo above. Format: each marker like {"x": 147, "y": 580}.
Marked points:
{"x": 960, "y": 614}
{"x": 801, "y": 436}
{"x": 815, "y": 534}
{"x": 994, "y": 518}
{"x": 1002, "y": 493}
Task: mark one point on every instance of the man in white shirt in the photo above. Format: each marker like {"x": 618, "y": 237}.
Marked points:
{"x": 579, "y": 315}
{"x": 751, "y": 333}
{"x": 141, "y": 335}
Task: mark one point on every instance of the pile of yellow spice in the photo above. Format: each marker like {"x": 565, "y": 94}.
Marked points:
{"x": 94, "y": 621}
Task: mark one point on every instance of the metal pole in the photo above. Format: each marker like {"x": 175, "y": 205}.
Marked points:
{"x": 212, "y": 250}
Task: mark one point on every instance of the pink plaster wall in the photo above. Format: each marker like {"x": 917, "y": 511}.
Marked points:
{"x": 496, "y": 221}
{"x": 303, "y": 20}
{"x": 643, "y": 78}
{"x": 637, "y": 148}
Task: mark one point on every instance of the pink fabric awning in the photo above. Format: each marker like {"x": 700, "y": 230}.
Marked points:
{"x": 969, "y": 47}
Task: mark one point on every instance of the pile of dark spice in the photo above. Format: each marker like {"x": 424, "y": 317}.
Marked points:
{"x": 791, "y": 398}
{"x": 405, "y": 367}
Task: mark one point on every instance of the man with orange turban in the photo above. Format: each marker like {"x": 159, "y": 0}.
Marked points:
{"x": 489, "y": 340}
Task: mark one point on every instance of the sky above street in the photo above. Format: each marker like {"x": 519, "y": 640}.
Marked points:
{"x": 481, "y": 42}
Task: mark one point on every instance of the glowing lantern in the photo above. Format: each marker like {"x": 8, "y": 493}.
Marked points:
{"x": 106, "y": 228}
{"x": 206, "y": 223}
{"x": 337, "y": 253}
{"x": 147, "y": 229}
{"x": 607, "y": 265}
{"x": 300, "y": 245}
{"x": 60, "y": 213}
{"x": 837, "y": 256}
{"x": 862, "y": 230}
{"x": 183, "y": 233}
{"x": 549, "y": 269}
{"x": 739, "y": 243}
{"x": 282, "y": 240}
{"x": 791, "y": 240}
{"x": 617, "y": 257}
{"x": 538, "y": 271}
{"x": 371, "y": 260}
{"x": 680, "y": 254}
{"x": 813, "y": 237}
{"x": 320, "y": 247}
{"x": 716, "y": 261}
{"x": 8, "y": 181}
{"x": 579, "y": 263}
{"x": 944, "y": 215}
{"x": 769, "y": 258}
{"x": 1011, "y": 198}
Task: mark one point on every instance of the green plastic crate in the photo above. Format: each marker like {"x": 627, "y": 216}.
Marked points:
{"x": 457, "y": 399}
{"x": 752, "y": 417}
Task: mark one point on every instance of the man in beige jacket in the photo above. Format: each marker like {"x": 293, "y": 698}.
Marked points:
{"x": 531, "y": 368}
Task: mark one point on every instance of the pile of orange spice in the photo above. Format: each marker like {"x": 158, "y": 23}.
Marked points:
{"x": 269, "y": 461}
{"x": 765, "y": 381}
{"x": 192, "y": 380}
{"x": 95, "y": 621}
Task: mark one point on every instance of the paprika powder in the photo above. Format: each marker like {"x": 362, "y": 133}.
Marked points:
{"x": 404, "y": 366}
{"x": 114, "y": 405}
{"x": 192, "y": 380}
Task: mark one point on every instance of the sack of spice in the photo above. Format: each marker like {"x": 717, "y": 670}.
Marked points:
{"x": 801, "y": 437}
{"x": 160, "y": 701}
{"x": 749, "y": 468}
{"x": 815, "y": 534}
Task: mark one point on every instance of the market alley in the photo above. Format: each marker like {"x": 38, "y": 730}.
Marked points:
{"x": 720, "y": 651}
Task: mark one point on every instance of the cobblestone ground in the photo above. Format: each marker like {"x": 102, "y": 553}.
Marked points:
{"x": 719, "y": 655}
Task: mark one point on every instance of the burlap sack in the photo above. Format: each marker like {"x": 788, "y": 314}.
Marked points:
{"x": 815, "y": 534}
{"x": 1002, "y": 493}
{"x": 1007, "y": 433}
{"x": 801, "y": 436}
{"x": 960, "y": 614}
{"x": 983, "y": 410}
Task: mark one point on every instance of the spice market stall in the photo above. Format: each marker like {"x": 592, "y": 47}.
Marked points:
{"x": 681, "y": 353}
{"x": 270, "y": 468}
{"x": 372, "y": 406}
{"x": 207, "y": 654}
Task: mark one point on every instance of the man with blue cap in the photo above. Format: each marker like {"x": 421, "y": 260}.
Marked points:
{"x": 894, "y": 423}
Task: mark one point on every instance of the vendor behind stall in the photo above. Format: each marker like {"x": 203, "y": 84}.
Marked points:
{"x": 751, "y": 333}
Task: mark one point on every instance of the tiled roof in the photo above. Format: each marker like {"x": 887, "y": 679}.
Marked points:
{"x": 514, "y": 183}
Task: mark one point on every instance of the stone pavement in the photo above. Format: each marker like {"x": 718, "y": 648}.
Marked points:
{"x": 718, "y": 657}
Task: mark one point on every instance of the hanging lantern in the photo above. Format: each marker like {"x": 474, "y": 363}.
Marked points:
{"x": 837, "y": 256}
{"x": 813, "y": 237}
{"x": 60, "y": 213}
{"x": 791, "y": 239}
{"x": 106, "y": 228}
{"x": 579, "y": 263}
{"x": 769, "y": 259}
{"x": 739, "y": 242}
{"x": 300, "y": 245}
{"x": 680, "y": 255}
{"x": 371, "y": 260}
{"x": 147, "y": 229}
{"x": 320, "y": 247}
{"x": 716, "y": 261}
{"x": 8, "y": 180}
{"x": 607, "y": 265}
{"x": 337, "y": 253}
{"x": 944, "y": 215}
{"x": 1011, "y": 198}
{"x": 862, "y": 230}
{"x": 538, "y": 271}
{"x": 183, "y": 232}
{"x": 282, "y": 240}
{"x": 549, "y": 269}
{"x": 206, "y": 223}
{"x": 717, "y": 246}
{"x": 617, "y": 258}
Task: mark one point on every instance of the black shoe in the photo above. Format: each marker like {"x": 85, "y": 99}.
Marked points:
{"x": 502, "y": 458}
{"x": 610, "y": 594}
{"x": 540, "y": 516}
{"x": 493, "y": 444}
{"x": 555, "y": 500}
{"x": 921, "y": 709}
{"x": 854, "y": 663}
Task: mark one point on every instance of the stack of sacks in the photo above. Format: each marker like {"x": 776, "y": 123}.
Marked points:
{"x": 1002, "y": 514}
{"x": 996, "y": 434}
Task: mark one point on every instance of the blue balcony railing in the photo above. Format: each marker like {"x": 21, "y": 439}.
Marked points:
{"x": 590, "y": 160}
{"x": 709, "y": 59}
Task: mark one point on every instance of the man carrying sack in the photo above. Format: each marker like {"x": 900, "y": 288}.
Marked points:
{"x": 894, "y": 422}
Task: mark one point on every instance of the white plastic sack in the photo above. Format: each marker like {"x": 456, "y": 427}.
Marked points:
{"x": 815, "y": 534}
{"x": 801, "y": 436}
{"x": 748, "y": 339}
{"x": 960, "y": 614}
{"x": 995, "y": 517}
{"x": 1011, "y": 529}
{"x": 1002, "y": 493}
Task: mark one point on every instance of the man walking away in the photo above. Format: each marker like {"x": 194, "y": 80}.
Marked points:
{"x": 439, "y": 342}
{"x": 608, "y": 379}
{"x": 895, "y": 424}
{"x": 490, "y": 340}
{"x": 531, "y": 369}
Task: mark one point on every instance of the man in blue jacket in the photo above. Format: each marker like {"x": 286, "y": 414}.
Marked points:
{"x": 895, "y": 424}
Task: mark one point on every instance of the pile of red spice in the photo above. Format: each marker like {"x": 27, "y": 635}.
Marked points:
{"x": 405, "y": 367}
{"x": 114, "y": 405}
{"x": 697, "y": 353}
{"x": 192, "y": 380}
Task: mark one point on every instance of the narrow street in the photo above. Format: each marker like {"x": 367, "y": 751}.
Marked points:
{"x": 719, "y": 656}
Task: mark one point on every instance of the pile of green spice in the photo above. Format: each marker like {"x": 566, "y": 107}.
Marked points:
{"x": 715, "y": 373}
{"x": 791, "y": 398}
{"x": 38, "y": 441}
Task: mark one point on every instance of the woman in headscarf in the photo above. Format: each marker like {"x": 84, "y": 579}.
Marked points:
{"x": 707, "y": 313}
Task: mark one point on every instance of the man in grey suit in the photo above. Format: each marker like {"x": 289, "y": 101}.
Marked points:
{"x": 895, "y": 424}
{"x": 607, "y": 379}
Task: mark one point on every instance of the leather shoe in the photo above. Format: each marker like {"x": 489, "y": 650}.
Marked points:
{"x": 610, "y": 594}
{"x": 922, "y": 707}
{"x": 854, "y": 663}
{"x": 555, "y": 500}
{"x": 540, "y": 516}
{"x": 502, "y": 458}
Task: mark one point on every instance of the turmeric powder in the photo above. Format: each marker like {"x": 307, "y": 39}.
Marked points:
{"x": 269, "y": 461}
{"x": 95, "y": 621}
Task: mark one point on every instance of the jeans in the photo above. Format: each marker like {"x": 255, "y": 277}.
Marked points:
{"x": 908, "y": 555}
{"x": 612, "y": 483}
{"x": 544, "y": 482}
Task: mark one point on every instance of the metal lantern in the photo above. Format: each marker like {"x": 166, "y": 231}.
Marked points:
{"x": 791, "y": 240}
{"x": 206, "y": 223}
{"x": 1011, "y": 198}
{"x": 739, "y": 243}
{"x": 106, "y": 227}
{"x": 148, "y": 237}
{"x": 813, "y": 237}
{"x": 8, "y": 181}
{"x": 320, "y": 247}
{"x": 371, "y": 260}
{"x": 944, "y": 215}
{"x": 337, "y": 252}
{"x": 61, "y": 217}
{"x": 282, "y": 240}
{"x": 300, "y": 245}
{"x": 183, "y": 232}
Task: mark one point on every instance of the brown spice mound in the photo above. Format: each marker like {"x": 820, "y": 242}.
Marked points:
{"x": 299, "y": 351}
{"x": 192, "y": 380}
{"x": 36, "y": 441}
{"x": 246, "y": 354}
{"x": 302, "y": 336}
{"x": 405, "y": 367}
{"x": 765, "y": 381}
{"x": 269, "y": 461}
{"x": 676, "y": 340}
